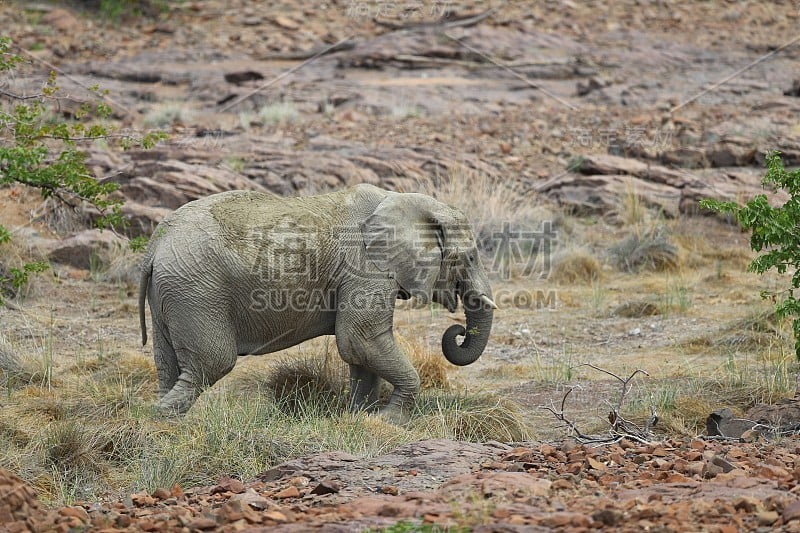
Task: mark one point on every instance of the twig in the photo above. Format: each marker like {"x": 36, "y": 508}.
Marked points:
{"x": 19, "y": 96}
{"x": 72, "y": 79}
{"x": 459, "y": 22}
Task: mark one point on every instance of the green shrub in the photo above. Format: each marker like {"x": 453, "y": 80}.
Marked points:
{"x": 775, "y": 233}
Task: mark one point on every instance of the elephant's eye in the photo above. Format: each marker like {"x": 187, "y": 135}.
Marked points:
{"x": 471, "y": 258}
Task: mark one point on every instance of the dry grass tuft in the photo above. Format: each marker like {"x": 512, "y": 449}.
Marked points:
{"x": 71, "y": 445}
{"x": 575, "y": 266}
{"x": 14, "y": 371}
{"x": 648, "y": 251}
{"x": 471, "y": 417}
{"x": 307, "y": 383}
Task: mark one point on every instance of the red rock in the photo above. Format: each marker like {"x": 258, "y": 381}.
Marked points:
{"x": 161, "y": 494}
{"x": 390, "y": 490}
{"x": 202, "y": 523}
{"x": 147, "y": 525}
{"x": 547, "y": 450}
{"x": 327, "y": 486}
{"x": 773, "y": 472}
{"x": 75, "y": 512}
{"x": 288, "y": 492}
{"x": 276, "y": 516}
{"x": 791, "y": 512}
{"x": 562, "y": 484}
{"x": 595, "y": 464}
{"x": 231, "y": 485}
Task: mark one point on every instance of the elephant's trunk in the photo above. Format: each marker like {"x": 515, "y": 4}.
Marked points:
{"x": 479, "y": 313}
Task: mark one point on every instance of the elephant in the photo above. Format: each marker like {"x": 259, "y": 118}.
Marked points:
{"x": 248, "y": 273}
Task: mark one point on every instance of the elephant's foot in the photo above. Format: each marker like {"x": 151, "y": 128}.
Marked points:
{"x": 395, "y": 415}
{"x": 178, "y": 400}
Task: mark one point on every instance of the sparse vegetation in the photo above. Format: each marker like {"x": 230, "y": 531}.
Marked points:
{"x": 291, "y": 407}
{"x": 168, "y": 115}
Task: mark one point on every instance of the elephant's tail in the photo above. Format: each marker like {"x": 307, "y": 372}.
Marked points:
{"x": 144, "y": 283}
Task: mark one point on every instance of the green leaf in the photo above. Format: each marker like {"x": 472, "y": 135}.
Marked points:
{"x": 5, "y": 235}
{"x": 138, "y": 244}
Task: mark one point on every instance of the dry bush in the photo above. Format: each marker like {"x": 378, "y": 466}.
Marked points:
{"x": 637, "y": 309}
{"x": 470, "y": 417}
{"x": 121, "y": 266}
{"x": 71, "y": 445}
{"x": 712, "y": 242}
{"x": 760, "y": 329}
{"x": 431, "y": 366}
{"x": 651, "y": 250}
{"x": 489, "y": 205}
{"x": 575, "y": 265}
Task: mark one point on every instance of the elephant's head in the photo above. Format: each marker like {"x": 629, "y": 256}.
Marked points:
{"x": 430, "y": 249}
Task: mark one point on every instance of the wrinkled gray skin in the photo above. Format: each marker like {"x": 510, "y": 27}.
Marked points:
{"x": 225, "y": 276}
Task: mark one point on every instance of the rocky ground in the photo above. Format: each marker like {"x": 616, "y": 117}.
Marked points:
{"x": 692, "y": 485}
{"x": 575, "y": 107}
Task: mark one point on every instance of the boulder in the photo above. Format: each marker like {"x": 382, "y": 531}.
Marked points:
{"x": 723, "y": 423}
{"x": 601, "y": 194}
{"x": 86, "y": 248}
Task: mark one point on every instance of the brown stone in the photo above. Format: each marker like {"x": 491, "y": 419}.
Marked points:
{"x": 161, "y": 494}
{"x": 288, "y": 492}
{"x": 276, "y": 516}
{"x": 791, "y": 512}
{"x": 767, "y": 518}
{"x": 76, "y": 512}
{"x": 390, "y": 490}
{"x": 253, "y": 499}
{"x": 86, "y": 249}
{"x": 202, "y": 523}
{"x": 231, "y": 485}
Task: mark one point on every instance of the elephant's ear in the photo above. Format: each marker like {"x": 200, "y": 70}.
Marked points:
{"x": 405, "y": 238}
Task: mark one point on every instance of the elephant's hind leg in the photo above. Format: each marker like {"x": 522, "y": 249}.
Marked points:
{"x": 364, "y": 388}
{"x": 203, "y": 362}
{"x": 166, "y": 361}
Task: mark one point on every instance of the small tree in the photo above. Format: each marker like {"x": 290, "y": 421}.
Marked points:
{"x": 41, "y": 150}
{"x": 775, "y": 233}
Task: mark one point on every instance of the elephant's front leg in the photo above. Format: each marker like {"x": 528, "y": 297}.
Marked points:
{"x": 390, "y": 363}
{"x": 376, "y": 353}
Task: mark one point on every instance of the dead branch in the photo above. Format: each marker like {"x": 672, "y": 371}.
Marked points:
{"x": 620, "y": 428}
{"x": 465, "y": 21}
